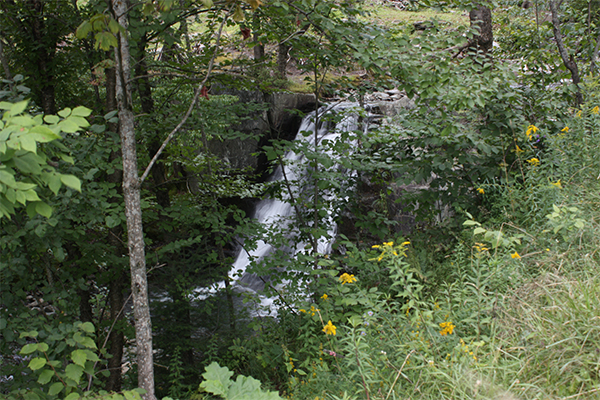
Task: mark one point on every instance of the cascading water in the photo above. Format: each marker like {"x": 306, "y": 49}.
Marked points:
{"x": 275, "y": 213}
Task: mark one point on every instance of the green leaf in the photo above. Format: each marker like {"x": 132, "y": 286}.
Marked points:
{"x": 45, "y": 376}
{"x": 29, "y": 348}
{"x": 55, "y": 389}
{"x": 43, "y": 134}
{"x": 74, "y": 372}
{"x": 28, "y": 164}
{"x": 81, "y": 111}
{"x": 37, "y": 363}
{"x": 67, "y": 125}
{"x": 105, "y": 40}
{"x": 18, "y": 108}
{"x": 43, "y": 209}
{"x": 64, "y": 113}
{"x": 28, "y": 143}
{"x": 87, "y": 327}
{"x": 479, "y": 230}
{"x": 83, "y": 30}
{"x": 54, "y": 183}
{"x": 72, "y": 396}
{"x": 71, "y": 181}
{"x": 51, "y": 119}
{"x": 79, "y": 357}
{"x": 216, "y": 379}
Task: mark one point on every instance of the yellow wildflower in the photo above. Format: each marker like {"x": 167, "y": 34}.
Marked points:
{"x": 329, "y": 329}
{"x": 519, "y": 150}
{"x": 531, "y": 129}
{"x": 347, "y": 278}
{"x": 405, "y": 243}
{"x": 595, "y": 110}
{"x": 324, "y": 297}
{"x": 447, "y": 328}
{"x": 515, "y": 255}
{"x": 534, "y": 161}
{"x": 579, "y": 114}
{"x": 565, "y": 129}
{"x": 395, "y": 253}
{"x": 557, "y": 184}
{"x": 388, "y": 244}
{"x": 302, "y": 310}
{"x": 375, "y": 246}
{"x": 480, "y": 191}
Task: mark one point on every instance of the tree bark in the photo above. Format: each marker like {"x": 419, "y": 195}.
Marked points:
{"x": 4, "y": 62}
{"x": 116, "y": 338}
{"x": 282, "y": 57}
{"x": 564, "y": 53}
{"x": 481, "y": 20}
{"x": 133, "y": 209}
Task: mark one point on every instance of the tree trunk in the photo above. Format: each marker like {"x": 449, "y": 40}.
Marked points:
{"x": 44, "y": 56}
{"x": 5, "y": 66}
{"x": 564, "y": 53}
{"x": 116, "y": 338}
{"x": 282, "y": 57}
{"x": 481, "y": 20}
{"x": 133, "y": 209}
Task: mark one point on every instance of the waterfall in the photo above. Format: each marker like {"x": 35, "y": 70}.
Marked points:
{"x": 276, "y": 213}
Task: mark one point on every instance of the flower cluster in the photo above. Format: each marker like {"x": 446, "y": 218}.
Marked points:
{"x": 515, "y": 255}
{"x": 347, "y": 278}
{"x": 447, "y": 328}
{"x": 534, "y": 161}
{"x": 329, "y": 329}
{"x": 312, "y": 311}
{"x": 389, "y": 248}
{"x": 531, "y": 130}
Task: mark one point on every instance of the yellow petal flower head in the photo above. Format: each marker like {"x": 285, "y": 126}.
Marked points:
{"x": 329, "y": 329}
{"x": 531, "y": 129}
{"x": 375, "y": 246}
{"x": 557, "y": 184}
{"x": 595, "y": 110}
{"x": 388, "y": 244}
{"x": 347, "y": 278}
{"x": 519, "y": 150}
{"x": 565, "y": 129}
{"x": 405, "y": 243}
{"x": 447, "y": 328}
{"x": 579, "y": 114}
{"x": 324, "y": 297}
{"x": 534, "y": 161}
{"x": 515, "y": 255}
{"x": 480, "y": 191}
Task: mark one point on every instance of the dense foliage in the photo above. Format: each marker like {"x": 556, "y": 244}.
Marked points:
{"x": 489, "y": 292}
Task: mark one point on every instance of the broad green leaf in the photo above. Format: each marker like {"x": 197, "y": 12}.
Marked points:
{"x": 113, "y": 26}
{"x": 64, "y": 113}
{"x": 51, "y": 119}
{"x": 43, "y": 209}
{"x": 43, "y": 134}
{"x": 79, "y": 357}
{"x": 28, "y": 143}
{"x": 81, "y": 111}
{"x": 55, "y": 389}
{"x": 28, "y": 164}
{"x": 37, "y": 363}
{"x": 87, "y": 327}
{"x": 54, "y": 183}
{"x": 18, "y": 108}
{"x": 216, "y": 379}
{"x": 83, "y": 30}
{"x": 80, "y": 121}
{"x": 71, "y": 181}
{"x": 29, "y": 348}
{"x": 68, "y": 126}
{"x": 31, "y": 195}
{"x": 45, "y": 376}
{"x": 478, "y": 230}
{"x": 74, "y": 372}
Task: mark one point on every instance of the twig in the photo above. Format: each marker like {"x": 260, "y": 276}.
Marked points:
{"x": 192, "y": 105}
{"x": 399, "y": 373}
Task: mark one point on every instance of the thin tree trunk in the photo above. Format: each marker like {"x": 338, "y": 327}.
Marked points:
{"x": 282, "y": 56}
{"x": 4, "y": 62}
{"x": 481, "y": 20}
{"x": 133, "y": 210}
{"x": 116, "y": 338}
{"x": 564, "y": 53}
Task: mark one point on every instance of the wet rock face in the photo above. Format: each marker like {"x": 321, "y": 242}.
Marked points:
{"x": 279, "y": 119}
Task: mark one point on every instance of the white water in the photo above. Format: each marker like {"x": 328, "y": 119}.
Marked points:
{"x": 274, "y": 213}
